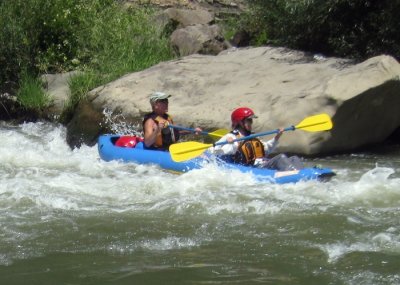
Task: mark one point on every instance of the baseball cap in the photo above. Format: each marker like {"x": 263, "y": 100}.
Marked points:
{"x": 158, "y": 96}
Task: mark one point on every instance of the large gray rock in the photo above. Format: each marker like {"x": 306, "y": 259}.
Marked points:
{"x": 192, "y": 31}
{"x": 174, "y": 18}
{"x": 185, "y": 17}
{"x": 202, "y": 39}
{"x": 58, "y": 86}
{"x": 282, "y": 86}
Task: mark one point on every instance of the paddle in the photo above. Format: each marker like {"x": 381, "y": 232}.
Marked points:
{"x": 215, "y": 134}
{"x": 188, "y": 150}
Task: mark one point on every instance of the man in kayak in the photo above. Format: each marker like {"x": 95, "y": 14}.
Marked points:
{"x": 157, "y": 134}
{"x": 253, "y": 151}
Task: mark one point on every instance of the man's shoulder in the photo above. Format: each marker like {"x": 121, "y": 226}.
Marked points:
{"x": 148, "y": 116}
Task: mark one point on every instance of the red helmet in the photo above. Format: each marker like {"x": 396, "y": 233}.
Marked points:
{"x": 240, "y": 114}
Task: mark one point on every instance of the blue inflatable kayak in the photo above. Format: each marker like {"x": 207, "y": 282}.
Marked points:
{"x": 131, "y": 149}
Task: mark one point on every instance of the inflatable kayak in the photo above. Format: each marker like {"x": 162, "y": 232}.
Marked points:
{"x": 131, "y": 149}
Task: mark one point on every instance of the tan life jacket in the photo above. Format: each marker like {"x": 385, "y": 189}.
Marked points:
{"x": 167, "y": 136}
{"x": 249, "y": 151}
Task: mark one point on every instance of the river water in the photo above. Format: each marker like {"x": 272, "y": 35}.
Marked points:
{"x": 69, "y": 218}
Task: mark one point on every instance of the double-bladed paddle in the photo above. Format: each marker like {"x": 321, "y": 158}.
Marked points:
{"x": 215, "y": 134}
{"x": 188, "y": 150}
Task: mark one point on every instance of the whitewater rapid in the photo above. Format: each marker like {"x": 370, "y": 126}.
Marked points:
{"x": 54, "y": 199}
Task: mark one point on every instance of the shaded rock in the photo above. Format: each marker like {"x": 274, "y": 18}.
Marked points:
{"x": 12, "y": 110}
{"x": 161, "y": 3}
{"x": 211, "y": 5}
{"x": 367, "y": 99}
{"x": 185, "y": 17}
{"x": 85, "y": 126}
{"x": 173, "y": 18}
{"x": 241, "y": 39}
{"x": 9, "y": 107}
{"x": 57, "y": 86}
{"x": 202, "y": 39}
{"x": 192, "y": 31}
{"x": 395, "y": 136}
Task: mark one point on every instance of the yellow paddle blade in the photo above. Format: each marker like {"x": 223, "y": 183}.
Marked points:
{"x": 316, "y": 123}
{"x": 216, "y": 135}
{"x": 187, "y": 150}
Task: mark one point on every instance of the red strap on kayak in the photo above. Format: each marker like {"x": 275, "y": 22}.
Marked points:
{"x": 128, "y": 141}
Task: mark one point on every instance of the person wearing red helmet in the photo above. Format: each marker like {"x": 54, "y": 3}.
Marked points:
{"x": 252, "y": 151}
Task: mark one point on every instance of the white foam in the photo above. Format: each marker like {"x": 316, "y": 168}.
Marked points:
{"x": 385, "y": 242}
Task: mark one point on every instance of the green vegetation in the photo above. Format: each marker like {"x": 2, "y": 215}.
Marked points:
{"x": 100, "y": 38}
{"x": 31, "y": 95}
{"x": 347, "y": 28}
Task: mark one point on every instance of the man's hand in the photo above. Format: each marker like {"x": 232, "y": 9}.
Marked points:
{"x": 198, "y": 130}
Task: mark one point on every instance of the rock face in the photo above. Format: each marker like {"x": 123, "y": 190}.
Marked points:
{"x": 202, "y": 39}
{"x": 192, "y": 31}
{"x": 85, "y": 126}
{"x": 57, "y": 86}
{"x": 282, "y": 86}
{"x": 184, "y": 18}
{"x": 367, "y": 100}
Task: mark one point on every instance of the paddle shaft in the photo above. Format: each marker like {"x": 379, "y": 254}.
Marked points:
{"x": 215, "y": 134}
{"x": 186, "y": 129}
{"x": 291, "y": 128}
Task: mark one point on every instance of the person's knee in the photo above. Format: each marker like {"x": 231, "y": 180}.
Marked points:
{"x": 296, "y": 162}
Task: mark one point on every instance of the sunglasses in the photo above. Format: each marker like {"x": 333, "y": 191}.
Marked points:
{"x": 248, "y": 120}
{"x": 163, "y": 101}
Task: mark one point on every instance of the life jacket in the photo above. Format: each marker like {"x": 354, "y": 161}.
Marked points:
{"x": 248, "y": 151}
{"x": 168, "y": 135}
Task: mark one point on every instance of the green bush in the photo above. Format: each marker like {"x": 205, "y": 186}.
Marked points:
{"x": 101, "y": 38}
{"x": 120, "y": 41}
{"x": 40, "y": 36}
{"x": 348, "y": 28}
